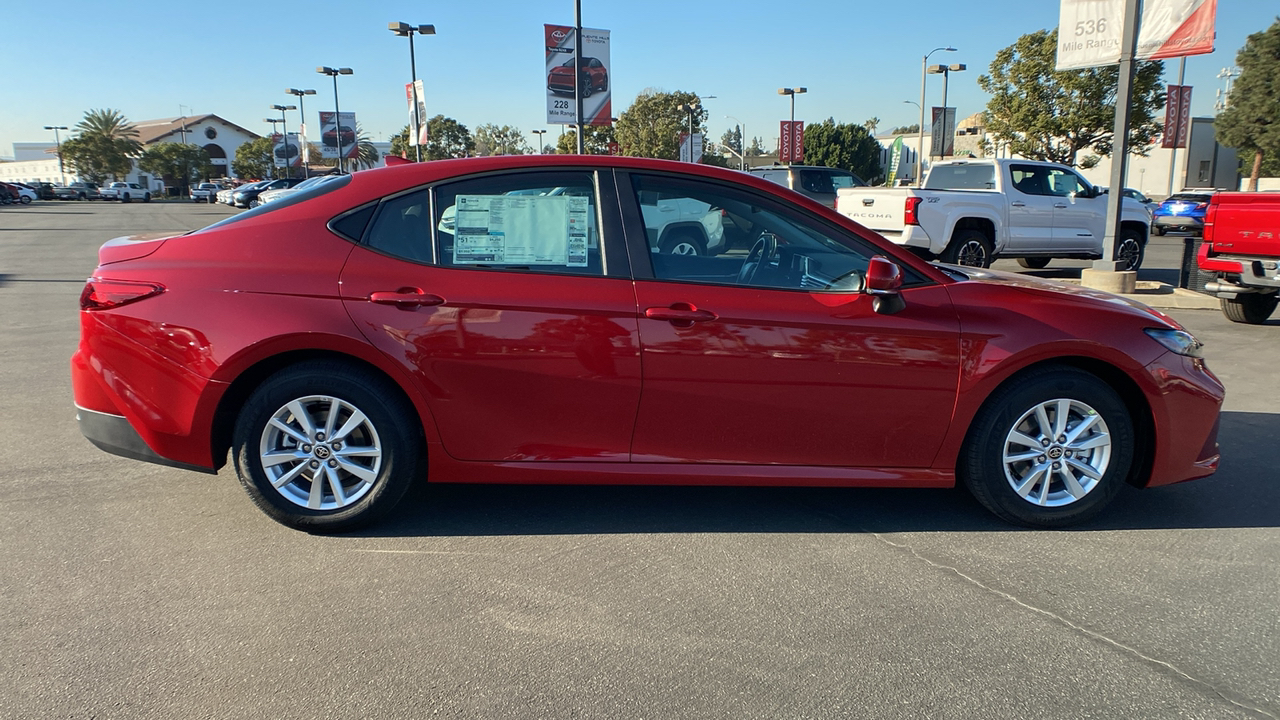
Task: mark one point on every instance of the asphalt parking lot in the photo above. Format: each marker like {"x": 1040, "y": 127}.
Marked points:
{"x": 137, "y": 591}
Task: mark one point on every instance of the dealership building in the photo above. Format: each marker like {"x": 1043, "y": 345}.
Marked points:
{"x": 38, "y": 162}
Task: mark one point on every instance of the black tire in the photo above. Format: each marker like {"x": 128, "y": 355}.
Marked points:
{"x": 982, "y": 467}
{"x": 81, "y": 196}
{"x": 969, "y": 247}
{"x": 1157, "y": 231}
{"x": 1250, "y": 308}
{"x": 125, "y": 198}
{"x": 146, "y": 198}
{"x": 682, "y": 242}
{"x": 1034, "y": 263}
{"x": 1131, "y": 248}
{"x": 391, "y": 425}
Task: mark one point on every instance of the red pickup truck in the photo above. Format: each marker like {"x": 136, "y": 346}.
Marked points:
{"x": 1242, "y": 246}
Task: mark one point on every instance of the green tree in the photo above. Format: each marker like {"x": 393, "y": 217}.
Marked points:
{"x": 253, "y": 159}
{"x": 1045, "y": 114}
{"x": 1251, "y": 121}
{"x": 757, "y": 147}
{"x": 400, "y": 144}
{"x": 732, "y": 139}
{"x": 448, "y": 139}
{"x": 844, "y": 146}
{"x": 505, "y": 140}
{"x": 366, "y": 154}
{"x": 871, "y": 124}
{"x": 105, "y": 145}
{"x": 911, "y": 129}
{"x": 651, "y": 127}
{"x": 594, "y": 142}
{"x": 176, "y": 163}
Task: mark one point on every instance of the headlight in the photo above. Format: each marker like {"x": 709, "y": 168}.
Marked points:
{"x": 1177, "y": 341}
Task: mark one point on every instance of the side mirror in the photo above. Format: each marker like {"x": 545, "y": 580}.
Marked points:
{"x": 884, "y": 283}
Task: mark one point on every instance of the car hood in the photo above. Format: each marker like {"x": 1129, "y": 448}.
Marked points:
{"x": 1033, "y": 285}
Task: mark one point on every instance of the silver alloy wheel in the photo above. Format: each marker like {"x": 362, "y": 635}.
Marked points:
{"x": 1128, "y": 253}
{"x": 684, "y": 247}
{"x": 1057, "y": 453}
{"x": 972, "y": 254}
{"x": 321, "y": 452}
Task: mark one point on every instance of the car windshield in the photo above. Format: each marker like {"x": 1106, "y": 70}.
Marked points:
{"x": 961, "y": 177}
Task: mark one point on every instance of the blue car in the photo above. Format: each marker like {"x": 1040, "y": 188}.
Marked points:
{"x": 1181, "y": 212}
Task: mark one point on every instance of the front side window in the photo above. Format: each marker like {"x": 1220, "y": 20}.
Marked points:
{"x": 699, "y": 232}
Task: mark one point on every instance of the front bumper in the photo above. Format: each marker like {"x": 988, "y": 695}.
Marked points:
{"x": 1186, "y": 419}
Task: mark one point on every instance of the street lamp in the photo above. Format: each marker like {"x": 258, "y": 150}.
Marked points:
{"x": 62, "y": 172}
{"x": 337, "y": 114}
{"x": 288, "y": 162}
{"x": 539, "y": 133}
{"x": 691, "y": 109}
{"x": 742, "y": 142}
{"x": 924, "y": 64}
{"x": 407, "y": 30}
{"x": 945, "y": 71}
{"x": 272, "y": 165}
{"x": 302, "y": 128}
{"x": 793, "y": 92}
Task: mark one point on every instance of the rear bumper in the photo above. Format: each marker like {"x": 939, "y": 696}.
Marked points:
{"x": 911, "y": 236}
{"x": 1178, "y": 222}
{"x": 114, "y": 434}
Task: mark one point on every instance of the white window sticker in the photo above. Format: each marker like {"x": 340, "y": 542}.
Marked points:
{"x": 521, "y": 230}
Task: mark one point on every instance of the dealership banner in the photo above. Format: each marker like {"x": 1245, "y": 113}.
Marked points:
{"x": 594, "y": 76}
{"x": 286, "y": 151}
{"x": 791, "y": 142}
{"x": 1090, "y": 31}
{"x": 942, "y": 137}
{"x": 417, "y": 109}
{"x": 1177, "y": 116}
{"x": 333, "y": 129}
{"x": 895, "y": 161}
{"x": 691, "y": 151}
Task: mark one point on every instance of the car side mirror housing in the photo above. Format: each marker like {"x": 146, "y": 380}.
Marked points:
{"x": 884, "y": 285}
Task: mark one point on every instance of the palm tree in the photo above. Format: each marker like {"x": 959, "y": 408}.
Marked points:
{"x": 111, "y": 125}
{"x": 366, "y": 154}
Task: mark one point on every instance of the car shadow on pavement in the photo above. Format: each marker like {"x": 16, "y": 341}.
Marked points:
{"x": 1244, "y": 493}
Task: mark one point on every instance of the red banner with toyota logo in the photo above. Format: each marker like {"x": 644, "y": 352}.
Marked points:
{"x": 791, "y": 142}
{"x": 1177, "y": 116}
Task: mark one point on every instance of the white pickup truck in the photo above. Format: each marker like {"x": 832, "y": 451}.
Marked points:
{"x": 970, "y": 212}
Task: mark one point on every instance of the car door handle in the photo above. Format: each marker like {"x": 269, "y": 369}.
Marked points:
{"x": 406, "y": 298}
{"x": 680, "y": 313}
{"x": 1060, "y": 205}
{"x": 1018, "y": 203}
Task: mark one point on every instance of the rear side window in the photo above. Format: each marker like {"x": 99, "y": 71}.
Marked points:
{"x": 961, "y": 177}
{"x": 294, "y": 199}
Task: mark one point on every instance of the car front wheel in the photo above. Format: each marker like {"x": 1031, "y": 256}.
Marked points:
{"x": 1130, "y": 249}
{"x": 326, "y": 447}
{"x": 1049, "y": 449}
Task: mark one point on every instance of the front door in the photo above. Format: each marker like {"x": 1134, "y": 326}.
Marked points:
{"x": 1030, "y": 209}
{"x": 767, "y": 353}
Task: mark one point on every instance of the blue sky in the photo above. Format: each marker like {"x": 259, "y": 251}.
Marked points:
{"x": 858, "y": 59}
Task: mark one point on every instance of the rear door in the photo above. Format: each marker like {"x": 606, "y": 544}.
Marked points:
{"x": 518, "y": 322}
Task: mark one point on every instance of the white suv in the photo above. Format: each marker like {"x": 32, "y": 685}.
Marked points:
{"x": 681, "y": 226}
{"x": 126, "y": 192}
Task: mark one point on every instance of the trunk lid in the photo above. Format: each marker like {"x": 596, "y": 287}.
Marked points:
{"x": 131, "y": 247}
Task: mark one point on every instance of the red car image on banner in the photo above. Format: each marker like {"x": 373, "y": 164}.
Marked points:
{"x": 592, "y": 75}
{"x": 331, "y": 130}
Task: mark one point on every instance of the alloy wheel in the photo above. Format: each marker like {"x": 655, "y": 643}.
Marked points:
{"x": 1057, "y": 452}
{"x": 321, "y": 452}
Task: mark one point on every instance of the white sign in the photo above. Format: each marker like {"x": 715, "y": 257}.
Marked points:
{"x": 417, "y": 109}
{"x": 333, "y": 132}
{"x": 696, "y": 149}
{"x": 1090, "y": 31}
{"x": 594, "y": 76}
{"x": 520, "y": 230}
{"x": 285, "y": 150}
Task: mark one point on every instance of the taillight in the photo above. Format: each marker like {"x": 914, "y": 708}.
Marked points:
{"x": 1209, "y": 217}
{"x": 909, "y": 216}
{"x": 106, "y": 294}
{"x": 1201, "y": 206}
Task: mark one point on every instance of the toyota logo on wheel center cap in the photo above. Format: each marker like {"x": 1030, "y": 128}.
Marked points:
{"x": 322, "y": 452}
{"x": 1055, "y": 452}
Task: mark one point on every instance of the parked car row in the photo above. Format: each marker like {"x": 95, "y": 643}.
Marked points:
{"x": 246, "y": 196}
{"x": 17, "y": 194}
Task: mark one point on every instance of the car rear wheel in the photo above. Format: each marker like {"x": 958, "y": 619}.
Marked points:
{"x": 682, "y": 242}
{"x": 585, "y": 85}
{"x": 146, "y": 198}
{"x": 1034, "y": 263}
{"x": 326, "y": 447}
{"x": 1251, "y": 308}
{"x": 1051, "y": 448}
{"x": 1130, "y": 249}
{"x": 969, "y": 247}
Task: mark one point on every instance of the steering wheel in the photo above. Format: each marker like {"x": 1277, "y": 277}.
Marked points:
{"x": 762, "y": 253}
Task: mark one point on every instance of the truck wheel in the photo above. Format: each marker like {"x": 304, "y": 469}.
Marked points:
{"x": 1251, "y": 308}
{"x": 1034, "y": 263}
{"x": 682, "y": 242}
{"x": 1130, "y": 249}
{"x": 970, "y": 248}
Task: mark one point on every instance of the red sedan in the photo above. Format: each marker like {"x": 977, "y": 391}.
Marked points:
{"x": 512, "y": 320}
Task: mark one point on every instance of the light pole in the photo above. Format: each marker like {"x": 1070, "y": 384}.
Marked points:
{"x": 741, "y": 141}
{"x": 539, "y": 133}
{"x": 337, "y": 114}
{"x": 288, "y": 162}
{"x": 184, "y": 122}
{"x": 302, "y": 128}
{"x": 691, "y": 109}
{"x": 792, "y": 92}
{"x": 272, "y": 166}
{"x": 407, "y": 30}
{"x": 945, "y": 71}
{"x": 924, "y": 64}
{"x": 62, "y": 171}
